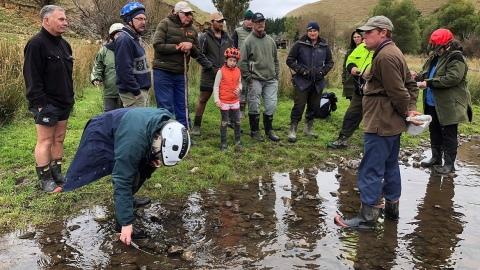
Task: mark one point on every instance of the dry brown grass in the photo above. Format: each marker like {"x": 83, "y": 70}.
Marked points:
{"x": 349, "y": 13}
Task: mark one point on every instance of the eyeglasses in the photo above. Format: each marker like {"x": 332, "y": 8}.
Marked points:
{"x": 141, "y": 19}
{"x": 187, "y": 14}
{"x": 219, "y": 21}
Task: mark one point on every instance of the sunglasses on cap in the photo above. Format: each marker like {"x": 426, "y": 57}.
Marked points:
{"x": 188, "y": 14}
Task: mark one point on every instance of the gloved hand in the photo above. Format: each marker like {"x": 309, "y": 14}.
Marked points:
{"x": 319, "y": 76}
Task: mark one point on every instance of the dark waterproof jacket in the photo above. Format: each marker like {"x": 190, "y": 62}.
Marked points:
{"x": 116, "y": 143}
{"x": 211, "y": 56}
{"x": 315, "y": 59}
{"x": 131, "y": 66}
{"x": 449, "y": 87}
{"x": 47, "y": 71}
{"x": 170, "y": 32}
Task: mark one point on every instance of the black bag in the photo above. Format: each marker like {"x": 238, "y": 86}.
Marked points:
{"x": 328, "y": 104}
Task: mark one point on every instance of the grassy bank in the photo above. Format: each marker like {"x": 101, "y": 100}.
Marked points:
{"x": 23, "y": 203}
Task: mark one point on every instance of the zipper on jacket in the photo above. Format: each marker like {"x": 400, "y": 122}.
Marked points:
{"x": 461, "y": 104}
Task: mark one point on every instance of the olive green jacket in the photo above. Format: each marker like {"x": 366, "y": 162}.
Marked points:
{"x": 347, "y": 80}
{"x": 449, "y": 88}
{"x": 104, "y": 71}
{"x": 170, "y": 32}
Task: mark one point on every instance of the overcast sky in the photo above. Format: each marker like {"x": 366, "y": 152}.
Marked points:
{"x": 269, "y": 8}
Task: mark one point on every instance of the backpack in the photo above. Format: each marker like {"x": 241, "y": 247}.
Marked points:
{"x": 328, "y": 104}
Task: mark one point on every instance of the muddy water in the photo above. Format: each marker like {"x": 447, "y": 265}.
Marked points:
{"x": 278, "y": 221}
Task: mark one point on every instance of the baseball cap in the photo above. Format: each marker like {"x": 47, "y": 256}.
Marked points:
{"x": 377, "y": 22}
{"x": 216, "y": 16}
{"x": 258, "y": 17}
{"x": 183, "y": 7}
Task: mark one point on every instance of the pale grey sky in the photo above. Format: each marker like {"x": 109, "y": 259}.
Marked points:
{"x": 269, "y": 8}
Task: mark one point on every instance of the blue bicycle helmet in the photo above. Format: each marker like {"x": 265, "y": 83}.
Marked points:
{"x": 129, "y": 9}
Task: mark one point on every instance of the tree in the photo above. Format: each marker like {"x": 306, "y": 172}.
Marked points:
{"x": 404, "y": 16}
{"x": 291, "y": 31}
{"x": 99, "y": 13}
{"x": 459, "y": 17}
{"x": 232, "y": 10}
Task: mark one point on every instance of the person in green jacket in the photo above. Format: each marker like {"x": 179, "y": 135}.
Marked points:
{"x": 358, "y": 61}
{"x": 175, "y": 41}
{"x": 356, "y": 39}
{"x": 104, "y": 70}
{"x": 445, "y": 97}
{"x": 260, "y": 68}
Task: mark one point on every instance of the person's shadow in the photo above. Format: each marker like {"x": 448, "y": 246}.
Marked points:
{"x": 434, "y": 239}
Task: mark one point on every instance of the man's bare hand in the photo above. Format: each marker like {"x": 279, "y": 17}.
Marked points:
{"x": 126, "y": 235}
{"x": 412, "y": 114}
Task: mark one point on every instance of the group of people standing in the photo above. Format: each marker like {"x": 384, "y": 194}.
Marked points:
{"x": 131, "y": 143}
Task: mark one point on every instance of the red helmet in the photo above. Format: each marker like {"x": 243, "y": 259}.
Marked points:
{"x": 232, "y": 52}
{"x": 440, "y": 38}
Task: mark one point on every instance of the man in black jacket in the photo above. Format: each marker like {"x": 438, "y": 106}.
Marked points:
{"x": 47, "y": 71}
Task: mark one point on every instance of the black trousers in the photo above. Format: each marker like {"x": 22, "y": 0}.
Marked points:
{"x": 308, "y": 97}
{"x": 442, "y": 135}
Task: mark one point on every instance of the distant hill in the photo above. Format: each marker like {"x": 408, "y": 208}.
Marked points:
{"x": 348, "y": 13}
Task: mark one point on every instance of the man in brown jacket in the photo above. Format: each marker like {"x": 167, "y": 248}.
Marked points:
{"x": 390, "y": 96}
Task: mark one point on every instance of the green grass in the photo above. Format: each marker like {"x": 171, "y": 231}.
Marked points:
{"x": 24, "y": 204}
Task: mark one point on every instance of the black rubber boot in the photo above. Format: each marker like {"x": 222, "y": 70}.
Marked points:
{"x": 292, "y": 135}
{"x": 136, "y": 232}
{"x": 46, "y": 180}
{"x": 223, "y": 144}
{"x": 254, "y": 127}
{"x": 267, "y": 123}
{"x": 197, "y": 122}
{"x": 307, "y": 130}
{"x": 449, "y": 165}
{"x": 141, "y": 202}
{"x": 56, "y": 166}
{"x": 238, "y": 142}
{"x": 436, "y": 159}
{"x": 390, "y": 209}
{"x": 366, "y": 218}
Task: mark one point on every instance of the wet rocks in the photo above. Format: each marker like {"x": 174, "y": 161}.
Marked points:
{"x": 27, "y": 235}
{"x": 290, "y": 245}
{"x": 175, "y": 250}
{"x": 101, "y": 218}
{"x": 335, "y": 193}
{"x": 189, "y": 254}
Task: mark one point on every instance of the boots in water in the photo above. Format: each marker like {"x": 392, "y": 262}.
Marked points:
{"x": 449, "y": 165}
{"x": 307, "y": 130}
{"x": 46, "y": 180}
{"x": 196, "y": 125}
{"x": 254, "y": 127}
{"x": 268, "y": 124}
{"x": 437, "y": 151}
{"x": 223, "y": 145}
{"x": 292, "y": 135}
{"x": 366, "y": 218}
{"x": 141, "y": 202}
{"x": 390, "y": 209}
{"x": 56, "y": 166}
{"x": 136, "y": 232}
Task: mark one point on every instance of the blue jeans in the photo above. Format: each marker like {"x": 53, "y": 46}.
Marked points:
{"x": 170, "y": 94}
{"x": 380, "y": 161}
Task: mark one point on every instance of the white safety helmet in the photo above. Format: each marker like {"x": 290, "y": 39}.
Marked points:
{"x": 172, "y": 143}
{"x": 114, "y": 28}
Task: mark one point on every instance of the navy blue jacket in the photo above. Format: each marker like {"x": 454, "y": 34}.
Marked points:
{"x": 131, "y": 64}
{"x": 117, "y": 143}
{"x": 315, "y": 59}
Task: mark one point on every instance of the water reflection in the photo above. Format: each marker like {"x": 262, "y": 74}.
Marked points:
{"x": 439, "y": 225}
{"x": 277, "y": 221}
